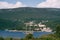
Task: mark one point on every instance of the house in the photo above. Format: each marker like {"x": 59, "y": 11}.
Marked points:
{"x": 38, "y": 27}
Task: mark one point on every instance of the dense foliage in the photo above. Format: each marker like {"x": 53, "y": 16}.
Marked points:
{"x": 14, "y": 18}
{"x": 58, "y": 30}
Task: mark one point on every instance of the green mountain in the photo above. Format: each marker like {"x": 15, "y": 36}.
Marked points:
{"x": 22, "y": 13}
{"x": 15, "y": 18}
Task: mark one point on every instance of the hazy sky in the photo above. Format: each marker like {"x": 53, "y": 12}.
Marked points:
{"x": 30, "y": 3}
{"x": 26, "y": 2}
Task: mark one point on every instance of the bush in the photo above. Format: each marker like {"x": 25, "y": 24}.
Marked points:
{"x": 29, "y": 37}
{"x": 1, "y": 38}
{"x": 58, "y": 30}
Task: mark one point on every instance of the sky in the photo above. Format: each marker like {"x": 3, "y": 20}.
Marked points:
{"x": 29, "y": 3}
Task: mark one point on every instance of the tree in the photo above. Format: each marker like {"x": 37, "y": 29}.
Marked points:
{"x": 11, "y": 38}
{"x": 1, "y": 38}
{"x": 58, "y": 30}
{"x": 29, "y": 37}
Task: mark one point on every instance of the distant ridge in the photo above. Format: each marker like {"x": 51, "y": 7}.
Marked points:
{"x": 30, "y": 12}
{"x": 16, "y": 16}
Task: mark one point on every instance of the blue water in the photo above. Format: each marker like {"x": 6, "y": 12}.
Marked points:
{"x": 20, "y": 34}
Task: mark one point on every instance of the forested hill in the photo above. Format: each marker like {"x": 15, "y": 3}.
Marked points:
{"x": 28, "y": 14}
{"x": 22, "y": 13}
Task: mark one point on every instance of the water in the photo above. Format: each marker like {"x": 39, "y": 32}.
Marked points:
{"x": 20, "y": 34}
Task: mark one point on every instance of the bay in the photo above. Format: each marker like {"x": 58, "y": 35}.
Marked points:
{"x": 20, "y": 34}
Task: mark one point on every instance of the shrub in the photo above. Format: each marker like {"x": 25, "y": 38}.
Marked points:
{"x": 1, "y": 38}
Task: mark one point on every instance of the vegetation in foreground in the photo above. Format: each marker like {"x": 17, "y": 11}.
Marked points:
{"x": 55, "y": 36}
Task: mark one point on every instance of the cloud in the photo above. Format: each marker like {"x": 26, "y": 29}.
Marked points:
{"x": 49, "y": 4}
{"x": 10, "y": 5}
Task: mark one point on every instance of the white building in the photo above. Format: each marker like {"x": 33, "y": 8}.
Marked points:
{"x": 46, "y": 30}
{"x": 39, "y": 26}
{"x": 43, "y": 28}
{"x": 29, "y": 23}
{"x": 36, "y": 25}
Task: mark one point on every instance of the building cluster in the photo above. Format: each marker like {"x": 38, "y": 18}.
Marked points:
{"x": 38, "y": 27}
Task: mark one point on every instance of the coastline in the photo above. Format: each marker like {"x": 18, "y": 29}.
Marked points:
{"x": 23, "y": 31}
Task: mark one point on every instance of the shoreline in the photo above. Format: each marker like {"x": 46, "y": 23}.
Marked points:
{"x": 23, "y": 31}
